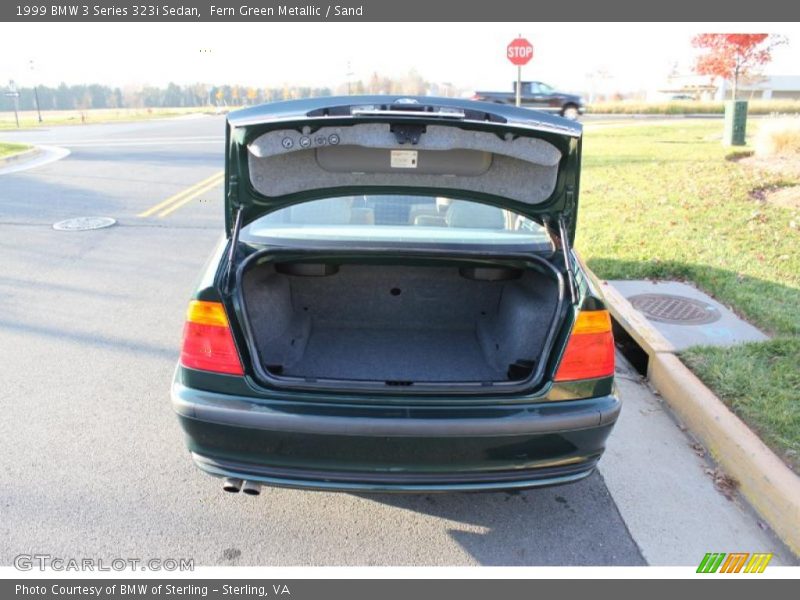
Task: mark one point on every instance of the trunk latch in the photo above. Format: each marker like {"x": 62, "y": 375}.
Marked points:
{"x": 404, "y": 133}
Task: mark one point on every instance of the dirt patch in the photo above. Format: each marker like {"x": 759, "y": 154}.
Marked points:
{"x": 785, "y": 166}
{"x": 778, "y": 195}
{"x": 785, "y": 195}
{"x": 788, "y": 197}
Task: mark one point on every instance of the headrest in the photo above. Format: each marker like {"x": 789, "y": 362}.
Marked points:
{"x": 474, "y": 215}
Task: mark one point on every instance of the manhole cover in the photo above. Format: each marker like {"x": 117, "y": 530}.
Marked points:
{"x": 84, "y": 223}
{"x": 678, "y": 310}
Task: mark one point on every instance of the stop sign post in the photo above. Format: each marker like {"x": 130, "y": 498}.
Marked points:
{"x": 519, "y": 52}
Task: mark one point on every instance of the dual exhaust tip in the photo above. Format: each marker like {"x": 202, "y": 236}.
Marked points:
{"x": 234, "y": 486}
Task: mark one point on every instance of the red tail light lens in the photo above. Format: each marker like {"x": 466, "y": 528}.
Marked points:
{"x": 590, "y": 349}
{"x": 207, "y": 340}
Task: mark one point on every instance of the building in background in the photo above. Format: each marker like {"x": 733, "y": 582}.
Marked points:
{"x": 689, "y": 86}
{"x": 768, "y": 87}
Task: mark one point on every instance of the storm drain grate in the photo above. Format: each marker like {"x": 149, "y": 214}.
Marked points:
{"x": 678, "y": 310}
{"x": 84, "y": 223}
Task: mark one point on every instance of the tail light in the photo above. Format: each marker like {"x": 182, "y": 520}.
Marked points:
{"x": 207, "y": 340}
{"x": 590, "y": 349}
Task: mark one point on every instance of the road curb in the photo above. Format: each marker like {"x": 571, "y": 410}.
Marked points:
{"x": 768, "y": 484}
{"x": 24, "y": 155}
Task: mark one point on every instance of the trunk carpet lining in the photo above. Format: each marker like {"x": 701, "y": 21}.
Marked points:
{"x": 396, "y": 354}
{"x": 398, "y": 323}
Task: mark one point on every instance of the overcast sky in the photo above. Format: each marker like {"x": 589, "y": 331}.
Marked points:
{"x": 638, "y": 56}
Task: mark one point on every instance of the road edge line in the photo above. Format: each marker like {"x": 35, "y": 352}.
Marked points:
{"x": 770, "y": 486}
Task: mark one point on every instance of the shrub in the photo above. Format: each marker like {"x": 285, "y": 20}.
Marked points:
{"x": 778, "y": 137}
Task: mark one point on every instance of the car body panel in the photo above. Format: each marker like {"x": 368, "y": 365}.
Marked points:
{"x": 353, "y": 447}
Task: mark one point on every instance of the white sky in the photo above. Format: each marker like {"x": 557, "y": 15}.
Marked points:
{"x": 470, "y": 55}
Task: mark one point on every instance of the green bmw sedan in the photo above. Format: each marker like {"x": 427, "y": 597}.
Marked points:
{"x": 395, "y": 304}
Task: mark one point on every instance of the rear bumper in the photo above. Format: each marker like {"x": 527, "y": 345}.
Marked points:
{"x": 390, "y": 448}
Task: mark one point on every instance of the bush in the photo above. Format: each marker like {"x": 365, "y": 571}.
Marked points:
{"x": 778, "y": 137}
{"x": 682, "y": 107}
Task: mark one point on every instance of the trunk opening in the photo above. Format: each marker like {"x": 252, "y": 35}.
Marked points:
{"x": 450, "y": 325}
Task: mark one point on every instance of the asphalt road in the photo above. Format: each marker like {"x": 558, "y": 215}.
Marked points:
{"x": 94, "y": 462}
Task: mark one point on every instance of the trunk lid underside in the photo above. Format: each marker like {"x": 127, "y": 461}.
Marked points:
{"x": 517, "y": 159}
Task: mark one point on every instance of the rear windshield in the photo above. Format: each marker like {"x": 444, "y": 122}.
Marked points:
{"x": 398, "y": 219}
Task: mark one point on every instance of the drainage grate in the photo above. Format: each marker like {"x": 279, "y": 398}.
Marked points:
{"x": 84, "y": 223}
{"x": 678, "y": 310}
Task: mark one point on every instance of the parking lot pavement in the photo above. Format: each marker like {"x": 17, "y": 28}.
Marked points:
{"x": 94, "y": 460}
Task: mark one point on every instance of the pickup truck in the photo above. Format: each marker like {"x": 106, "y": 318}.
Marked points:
{"x": 540, "y": 96}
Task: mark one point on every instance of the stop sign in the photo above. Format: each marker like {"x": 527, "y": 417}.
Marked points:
{"x": 520, "y": 51}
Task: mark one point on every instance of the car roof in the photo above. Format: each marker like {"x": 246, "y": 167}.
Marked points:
{"x": 299, "y": 109}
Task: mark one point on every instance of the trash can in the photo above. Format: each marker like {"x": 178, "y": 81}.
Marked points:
{"x": 735, "y": 123}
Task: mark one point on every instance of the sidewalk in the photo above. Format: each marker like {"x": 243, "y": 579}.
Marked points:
{"x": 663, "y": 489}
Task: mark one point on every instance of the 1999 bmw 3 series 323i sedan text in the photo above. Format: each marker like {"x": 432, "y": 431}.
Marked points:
{"x": 396, "y": 305}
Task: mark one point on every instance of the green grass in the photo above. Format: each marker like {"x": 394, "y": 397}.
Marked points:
{"x": 761, "y": 382}
{"x": 9, "y": 149}
{"x": 662, "y": 202}
{"x": 682, "y": 107}
{"x": 29, "y": 119}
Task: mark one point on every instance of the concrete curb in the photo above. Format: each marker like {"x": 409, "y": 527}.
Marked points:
{"x": 768, "y": 484}
{"x": 24, "y": 155}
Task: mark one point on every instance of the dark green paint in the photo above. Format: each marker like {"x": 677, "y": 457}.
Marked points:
{"x": 550, "y": 457}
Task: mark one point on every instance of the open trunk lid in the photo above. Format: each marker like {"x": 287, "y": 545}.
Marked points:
{"x": 288, "y": 152}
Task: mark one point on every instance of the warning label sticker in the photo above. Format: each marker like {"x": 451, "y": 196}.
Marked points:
{"x": 404, "y": 159}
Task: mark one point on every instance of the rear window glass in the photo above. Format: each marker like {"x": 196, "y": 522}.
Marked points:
{"x": 398, "y": 218}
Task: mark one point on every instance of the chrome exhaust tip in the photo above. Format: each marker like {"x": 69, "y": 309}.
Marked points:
{"x": 232, "y": 485}
{"x": 251, "y": 488}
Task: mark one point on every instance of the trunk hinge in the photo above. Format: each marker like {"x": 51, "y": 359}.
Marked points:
{"x": 233, "y": 191}
{"x": 569, "y": 206}
{"x": 566, "y": 252}
{"x": 237, "y": 226}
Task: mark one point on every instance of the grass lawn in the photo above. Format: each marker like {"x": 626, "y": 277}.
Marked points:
{"x": 681, "y": 107}
{"x": 662, "y": 202}
{"x": 8, "y": 149}
{"x": 29, "y": 119}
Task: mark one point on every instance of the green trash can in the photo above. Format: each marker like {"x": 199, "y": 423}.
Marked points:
{"x": 735, "y": 123}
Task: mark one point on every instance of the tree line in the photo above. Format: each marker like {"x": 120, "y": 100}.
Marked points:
{"x": 88, "y": 96}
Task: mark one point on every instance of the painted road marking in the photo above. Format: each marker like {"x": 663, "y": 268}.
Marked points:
{"x": 177, "y": 200}
{"x": 190, "y": 197}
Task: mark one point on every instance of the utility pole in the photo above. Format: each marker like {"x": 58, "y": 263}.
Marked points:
{"x": 36, "y": 94}
{"x": 349, "y": 75}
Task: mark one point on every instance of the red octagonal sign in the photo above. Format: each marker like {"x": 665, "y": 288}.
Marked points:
{"x": 520, "y": 52}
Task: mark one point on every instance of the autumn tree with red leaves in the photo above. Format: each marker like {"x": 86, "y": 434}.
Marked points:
{"x": 733, "y": 55}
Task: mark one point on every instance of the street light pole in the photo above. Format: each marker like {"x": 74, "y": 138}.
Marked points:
{"x": 36, "y": 95}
